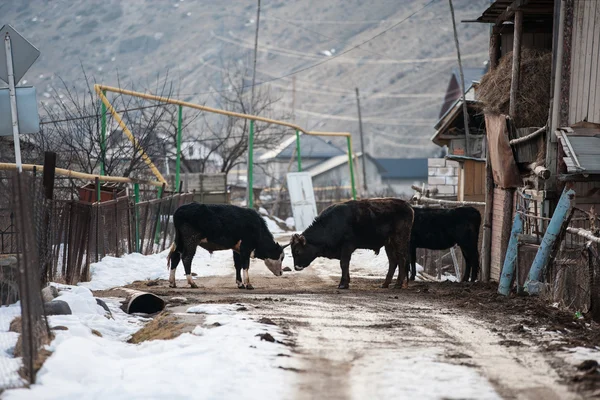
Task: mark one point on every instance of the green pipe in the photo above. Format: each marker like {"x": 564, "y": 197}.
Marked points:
{"x": 136, "y": 191}
{"x": 251, "y": 166}
{"x": 103, "y": 136}
{"x": 178, "y": 163}
{"x": 351, "y": 168}
{"x": 157, "y": 233}
{"x": 298, "y": 155}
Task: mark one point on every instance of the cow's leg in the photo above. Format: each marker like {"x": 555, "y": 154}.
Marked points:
{"x": 187, "y": 257}
{"x": 345, "y": 266}
{"x": 471, "y": 256}
{"x": 401, "y": 246}
{"x": 391, "y": 254}
{"x": 175, "y": 258}
{"x": 413, "y": 262}
{"x": 245, "y": 259}
{"x": 237, "y": 261}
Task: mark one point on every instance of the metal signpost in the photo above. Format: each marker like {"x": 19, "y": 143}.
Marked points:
{"x": 16, "y": 59}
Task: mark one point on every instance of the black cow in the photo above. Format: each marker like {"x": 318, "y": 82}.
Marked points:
{"x": 365, "y": 224}
{"x": 222, "y": 227}
{"x": 440, "y": 229}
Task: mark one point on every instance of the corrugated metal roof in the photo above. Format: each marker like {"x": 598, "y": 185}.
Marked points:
{"x": 400, "y": 168}
{"x": 581, "y": 144}
{"x": 532, "y": 10}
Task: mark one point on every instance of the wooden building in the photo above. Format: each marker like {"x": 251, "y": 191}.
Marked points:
{"x": 563, "y": 154}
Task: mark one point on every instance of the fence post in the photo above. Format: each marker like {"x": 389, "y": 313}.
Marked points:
{"x": 136, "y": 191}
{"x": 511, "y": 258}
{"x": 102, "y": 136}
{"x": 97, "y": 182}
{"x": 48, "y": 181}
{"x": 157, "y": 228}
{"x": 349, "y": 139}
{"x": 560, "y": 218}
{"x": 298, "y": 154}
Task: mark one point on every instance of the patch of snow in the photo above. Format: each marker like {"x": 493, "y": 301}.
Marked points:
{"x": 576, "y": 355}
{"x": 189, "y": 14}
{"x": 9, "y": 366}
{"x": 290, "y": 222}
{"x": 202, "y": 364}
{"x": 272, "y": 225}
{"x": 262, "y": 211}
{"x": 158, "y": 35}
{"x": 34, "y": 19}
{"x": 113, "y": 272}
{"x": 326, "y": 53}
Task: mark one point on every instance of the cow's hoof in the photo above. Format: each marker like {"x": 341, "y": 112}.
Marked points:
{"x": 172, "y": 285}
{"x": 241, "y": 286}
{"x": 343, "y": 286}
{"x": 412, "y": 278}
{"x": 384, "y": 285}
{"x": 249, "y": 287}
{"x": 193, "y": 286}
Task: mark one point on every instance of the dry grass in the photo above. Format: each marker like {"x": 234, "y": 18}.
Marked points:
{"x": 533, "y": 100}
{"x": 164, "y": 327}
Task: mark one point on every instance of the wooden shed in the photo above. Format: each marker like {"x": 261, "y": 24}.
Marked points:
{"x": 471, "y": 178}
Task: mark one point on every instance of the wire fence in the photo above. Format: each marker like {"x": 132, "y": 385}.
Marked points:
{"x": 23, "y": 326}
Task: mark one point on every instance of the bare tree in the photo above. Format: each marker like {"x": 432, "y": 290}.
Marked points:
{"x": 228, "y": 136}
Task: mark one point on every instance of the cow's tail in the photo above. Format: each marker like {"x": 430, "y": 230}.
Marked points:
{"x": 174, "y": 247}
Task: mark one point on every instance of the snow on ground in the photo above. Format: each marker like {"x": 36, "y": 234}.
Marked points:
{"x": 8, "y": 365}
{"x": 113, "y": 272}
{"x": 227, "y": 361}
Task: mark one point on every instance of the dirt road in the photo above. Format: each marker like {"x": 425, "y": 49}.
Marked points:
{"x": 433, "y": 340}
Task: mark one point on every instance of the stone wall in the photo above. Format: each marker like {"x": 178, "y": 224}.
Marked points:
{"x": 443, "y": 176}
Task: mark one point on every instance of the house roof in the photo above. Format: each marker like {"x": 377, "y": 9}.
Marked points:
{"x": 453, "y": 91}
{"x": 335, "y": 162}
{"x": 400, "y": 168}
{"x": 451, "y": 115}
{"x": 310, "y": 147}
{"x": 581, "y": 144}
{"x": 503, "y": 10}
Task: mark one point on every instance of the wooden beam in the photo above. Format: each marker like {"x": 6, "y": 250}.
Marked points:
{"x": 494, "y": 48}
{"x": 510, "y": 11}
{"x": 516, "y": 63}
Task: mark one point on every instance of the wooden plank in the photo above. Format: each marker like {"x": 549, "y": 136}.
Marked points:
{"x": 581, "y": 77}
{"x": 588, "y": 31}
{"x": 575, "y": 60}
{"x": 469, "y": 173}
{"x": 594, "y": 106}
{"x": 479, "y": 181}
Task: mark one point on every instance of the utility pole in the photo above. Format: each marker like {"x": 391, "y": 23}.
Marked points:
{"x": 362, "y": 144}
{"x": 462, "y": 82}
{"x": 249, "y": 168}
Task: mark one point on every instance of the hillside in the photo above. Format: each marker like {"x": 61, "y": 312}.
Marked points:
{"x": 402, "y": 74}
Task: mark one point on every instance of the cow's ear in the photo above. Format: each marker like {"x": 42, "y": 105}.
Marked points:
{"x": 302, "y": 240}
{"x": 295, "y": 238}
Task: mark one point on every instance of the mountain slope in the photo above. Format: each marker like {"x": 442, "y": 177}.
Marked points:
{"x": 402, "y": 74}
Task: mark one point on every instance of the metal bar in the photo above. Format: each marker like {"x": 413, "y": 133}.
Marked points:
{"x": 362, "y": 144}
{"x": 511, "y": 259}
{"x": 136, "y": 191}
{"x": 102, "y": 136}
{"x": 250, "y": 180}
{"x": 78, "y": 175}
{"x": 560, "y": 218}
{"x": 157, "y": 220}
{"x": 178, "y": 162}
{"x": 13, "y": 100}
{"x": 351, "y": 168}
{"x": 298, "y": 154}
{"x": 100, "y": 88}
{"x": 132, "y": 139}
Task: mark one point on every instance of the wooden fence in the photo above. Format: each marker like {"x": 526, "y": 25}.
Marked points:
{"x": 81, "y": 234}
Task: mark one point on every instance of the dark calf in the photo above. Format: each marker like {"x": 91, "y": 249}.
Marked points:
{"x": 440, "y": 229}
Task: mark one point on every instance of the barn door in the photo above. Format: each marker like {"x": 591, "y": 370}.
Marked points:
{"x": 302, "y": 198}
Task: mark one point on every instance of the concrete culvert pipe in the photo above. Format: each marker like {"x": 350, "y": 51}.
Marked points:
{"x": 142, "y": 302}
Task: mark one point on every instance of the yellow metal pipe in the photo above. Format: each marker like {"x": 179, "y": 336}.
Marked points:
{"x": 79, "y": 175}
{"x": 100, "y": 88}
{"x": 127, "y": 132}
